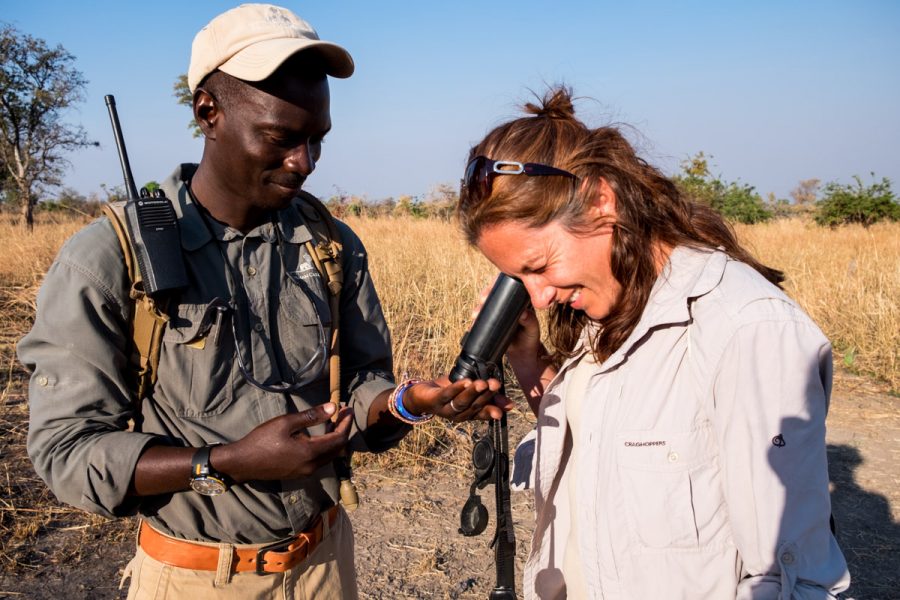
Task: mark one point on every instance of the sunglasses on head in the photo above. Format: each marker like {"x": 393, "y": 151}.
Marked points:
{"x": 481, "y": 171}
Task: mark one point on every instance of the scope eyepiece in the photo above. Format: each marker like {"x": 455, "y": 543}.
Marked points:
{"x": 484, "y": 344}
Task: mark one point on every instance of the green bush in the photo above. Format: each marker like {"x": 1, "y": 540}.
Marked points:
{"x": 734, "y": 201}
{"x": 856, "y": 203}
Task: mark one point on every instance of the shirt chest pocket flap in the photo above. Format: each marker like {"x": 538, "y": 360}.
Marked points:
{"x": 196, "y": 361}
{"x": 659, "y": 472}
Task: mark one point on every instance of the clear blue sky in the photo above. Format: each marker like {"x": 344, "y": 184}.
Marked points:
{"x": 775, "y": 91}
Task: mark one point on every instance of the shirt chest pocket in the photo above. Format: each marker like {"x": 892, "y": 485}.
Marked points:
{"x": 196, "y": 365}
{"x": 303, "y": 326}
{"x": 670, "y": 484}
{"x": 303, "y": 299}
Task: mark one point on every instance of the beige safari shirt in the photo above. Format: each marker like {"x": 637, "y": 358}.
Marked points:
{"x": 701, "y": 453}
{"x": 79, "y": 399}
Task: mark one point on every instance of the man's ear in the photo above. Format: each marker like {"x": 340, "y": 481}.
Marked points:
{"x": 206, "y": 112}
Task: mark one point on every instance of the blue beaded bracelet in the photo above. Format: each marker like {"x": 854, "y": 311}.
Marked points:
{"x": 395, "y": 404}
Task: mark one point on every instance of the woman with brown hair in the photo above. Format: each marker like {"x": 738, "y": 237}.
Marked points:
{"x": 681, "y": 396}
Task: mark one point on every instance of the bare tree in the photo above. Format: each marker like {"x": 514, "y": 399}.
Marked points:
{"x": 806, "y": 191}
{"x": 37, "y": 85}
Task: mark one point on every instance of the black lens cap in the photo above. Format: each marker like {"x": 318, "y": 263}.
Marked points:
{"x": 473, "y": 519}
{"x": 483, "y": 456}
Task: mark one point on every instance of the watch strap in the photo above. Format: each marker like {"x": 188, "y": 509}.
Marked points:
{"x": 200, "y": 466}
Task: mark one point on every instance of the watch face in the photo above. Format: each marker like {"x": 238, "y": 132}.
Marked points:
{"x": 208, "y": 486}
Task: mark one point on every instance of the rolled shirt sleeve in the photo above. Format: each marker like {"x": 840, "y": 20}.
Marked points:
{"x": 770, "y": 402}
{"x": 79, "y": 404}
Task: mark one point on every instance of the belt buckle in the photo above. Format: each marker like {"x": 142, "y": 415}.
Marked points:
{"x": 261, "y": 562}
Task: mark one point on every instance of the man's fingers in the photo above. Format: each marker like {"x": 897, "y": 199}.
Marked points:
{"x": 499, "y": 405}
{"x": 470, "y": 401}
{"x": 325, "y": 448}
{"x": 322, "y": 449}
{"x": 484, "y": 400}
{"x": 311, "y": 416}
{"x": 443, "y": 381}
{"x": 344, "y": 421}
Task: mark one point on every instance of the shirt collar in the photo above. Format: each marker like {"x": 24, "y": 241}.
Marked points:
{"x": 688, "y": 274}
{"x": 194, "y": 231}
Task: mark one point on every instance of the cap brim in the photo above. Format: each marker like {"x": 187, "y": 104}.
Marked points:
{"x": 260, "y": 60}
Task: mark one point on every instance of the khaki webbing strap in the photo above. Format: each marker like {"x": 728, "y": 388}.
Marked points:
{"x": 326, "y": 255}
{"x": 115, "y": 212}
{"x": 149, "y": 324}
{"x": 149, "y": 319}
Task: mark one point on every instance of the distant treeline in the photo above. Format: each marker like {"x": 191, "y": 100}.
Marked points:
{"x": 831, "y": 204}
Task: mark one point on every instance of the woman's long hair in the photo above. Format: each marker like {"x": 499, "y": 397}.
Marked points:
{"x": 651, "y": 211}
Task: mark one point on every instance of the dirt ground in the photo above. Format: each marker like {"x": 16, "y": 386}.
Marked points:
{"x": 407, "y": 545}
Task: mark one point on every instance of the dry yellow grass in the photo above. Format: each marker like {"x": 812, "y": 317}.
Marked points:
{"x": 848, "y": 279}
{"x": 24, "y": 257}
{"x": 428, "y": 280}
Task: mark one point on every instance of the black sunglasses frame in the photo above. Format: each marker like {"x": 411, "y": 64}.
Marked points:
{"x": 481, "y": 171}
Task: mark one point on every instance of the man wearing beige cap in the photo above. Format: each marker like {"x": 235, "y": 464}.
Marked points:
{"x": 231, "y": 462}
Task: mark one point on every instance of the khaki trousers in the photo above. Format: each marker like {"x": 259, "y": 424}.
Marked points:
{"x": 327, "y": 573}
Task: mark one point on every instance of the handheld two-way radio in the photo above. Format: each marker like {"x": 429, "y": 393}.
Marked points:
{"x": 481, "y": 358}
{"x": 152, "y": 225}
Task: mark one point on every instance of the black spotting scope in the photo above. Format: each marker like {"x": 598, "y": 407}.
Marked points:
{"x": 484, "y": 344}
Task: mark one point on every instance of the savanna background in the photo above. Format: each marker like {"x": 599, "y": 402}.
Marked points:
{"x": 777, "y": 91}
{"x": 847, "y": 278}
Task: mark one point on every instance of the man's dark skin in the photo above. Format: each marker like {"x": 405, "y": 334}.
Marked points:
{"x": 261, "y": 143}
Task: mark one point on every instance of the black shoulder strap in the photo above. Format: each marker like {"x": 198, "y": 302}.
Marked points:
{"x": 504, "y": 536}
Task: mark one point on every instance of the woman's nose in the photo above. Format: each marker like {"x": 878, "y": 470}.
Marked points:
{"x": 542, "y": 295}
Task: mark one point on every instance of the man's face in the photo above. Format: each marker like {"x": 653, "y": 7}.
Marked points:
{"x": 269, "y": 138}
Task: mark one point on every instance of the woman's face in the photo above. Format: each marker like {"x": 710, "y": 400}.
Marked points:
{"x": 556, "y": 265}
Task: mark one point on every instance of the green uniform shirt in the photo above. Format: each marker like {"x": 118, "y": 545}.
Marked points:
{"x": 78, "y": 351}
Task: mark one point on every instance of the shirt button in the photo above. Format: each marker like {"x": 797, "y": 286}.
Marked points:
{"x": 251, "y": 271}
{"x": 787, "y": 558}
{"x": 293, "y": 499}
{"x": 673, "y": 457}
{"x": 258, "y": 327}
{"x": 43, "y": 381}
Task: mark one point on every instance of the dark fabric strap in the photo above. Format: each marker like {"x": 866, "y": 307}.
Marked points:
{"x": 504, "y": 538}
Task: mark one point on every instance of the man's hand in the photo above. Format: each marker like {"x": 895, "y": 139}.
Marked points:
{"x": 277, "y": 449}
{"x": 463, "y": 400}
{"x": 282, "y": 449}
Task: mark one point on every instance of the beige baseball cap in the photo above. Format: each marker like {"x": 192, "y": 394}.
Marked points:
{"x": 251, "y": 41}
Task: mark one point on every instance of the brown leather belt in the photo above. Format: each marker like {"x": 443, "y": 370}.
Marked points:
{"x": 271, "y": 558}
